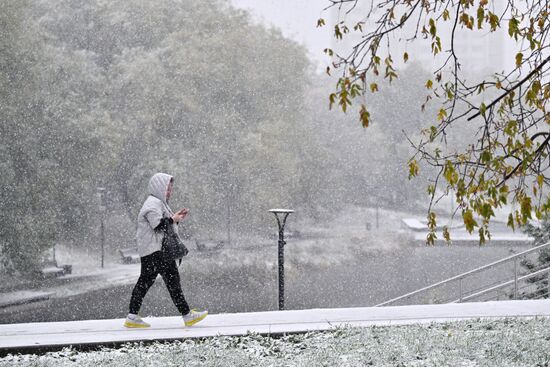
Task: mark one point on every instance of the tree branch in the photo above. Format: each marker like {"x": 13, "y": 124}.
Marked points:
{"x": 533, "y": 72}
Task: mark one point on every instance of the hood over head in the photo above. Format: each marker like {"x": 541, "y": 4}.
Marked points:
{"x": 158, "y": 184}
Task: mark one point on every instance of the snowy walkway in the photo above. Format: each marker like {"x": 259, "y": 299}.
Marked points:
{"x": 30, "y": 337}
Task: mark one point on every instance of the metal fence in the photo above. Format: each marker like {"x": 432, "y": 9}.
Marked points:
{"x": 502, "y": 279}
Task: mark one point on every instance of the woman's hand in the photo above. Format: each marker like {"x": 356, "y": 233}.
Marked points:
{"x": 179, "y": 215}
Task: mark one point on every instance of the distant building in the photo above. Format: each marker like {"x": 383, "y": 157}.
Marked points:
{"x": 479, "y": 51}
{"x": 501, "y": 234}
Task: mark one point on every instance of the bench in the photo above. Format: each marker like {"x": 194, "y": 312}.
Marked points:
{"x": 209, "y": 245}
{"x": 51, "y": 269}
{"x": 129, "y": 255}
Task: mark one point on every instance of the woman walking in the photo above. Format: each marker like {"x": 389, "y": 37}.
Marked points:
{"x": 153, "y": 219}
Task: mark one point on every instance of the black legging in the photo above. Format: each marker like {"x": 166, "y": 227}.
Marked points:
{"x": 151, "y": 266}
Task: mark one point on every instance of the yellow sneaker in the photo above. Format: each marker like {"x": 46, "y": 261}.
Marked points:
{"x": 194, "y": 316}
{"x": 134, "y": 321}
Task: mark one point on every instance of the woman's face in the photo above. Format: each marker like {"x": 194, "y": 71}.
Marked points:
{"x": 169, "y": 190}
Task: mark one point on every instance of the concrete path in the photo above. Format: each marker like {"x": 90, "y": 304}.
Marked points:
{"x": 40, "y": 337}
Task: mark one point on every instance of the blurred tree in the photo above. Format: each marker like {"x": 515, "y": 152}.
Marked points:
{"x": 366, "y": 166}
{"x": 137, "y": 87}
{"x": 191, "y": 104}
{"x": 46, "y": 137}
{"x": 20, "y": 239}
{"x": 508, "y": 157}
{"x": 99, "y": 93}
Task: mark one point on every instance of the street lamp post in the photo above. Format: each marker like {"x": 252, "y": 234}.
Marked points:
{"x": 102, "y": 208}
{"x": 281, "y": 223}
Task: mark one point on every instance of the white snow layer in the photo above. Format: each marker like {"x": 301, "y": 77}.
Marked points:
{"x": 13, "y": 336}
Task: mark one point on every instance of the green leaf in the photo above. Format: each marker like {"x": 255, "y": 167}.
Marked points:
{"x": 430, "y": 238}
{"x": 513, "y": 28}
{"x": 344, "y": 103}
{"x": 481, "y": 88}
{"x": 494, "y": 21}
{"x": 364, "y": 116}
{"x": 519, "y": 59}
{"x": 482, "y": 238}
{"x": 391, "y": 75}
{"x": 432, "y": 223}
{"x": 332, "y": 99}
{"x": 436, "y": 45}
{"x": 433, "y": 132}
{"x": 480, "y": 16}
{"x": 320, "y": 22}
{"x": 337, "y": 32}
{"x": 446, "y": 235}
{"x": 511, "y": 128}
{"x": 413, "y": 169}
{"x": 526, "y": 208}
{"x": 355, "y": 90}
{"x": 482, "y": 109}
{"x": 486, "y": 156}
{"x": 486, "y": 211}
{"x": 467, "y": 20}
{"x": 442, "y": 114}
{"x": 511, "y": 222}
{"x": 469, "y": 222}
{"x": 450, "y": 173}
{"x": 433, "y": 29}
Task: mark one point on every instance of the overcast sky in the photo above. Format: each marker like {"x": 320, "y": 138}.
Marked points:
{"x": 297, "y": 19}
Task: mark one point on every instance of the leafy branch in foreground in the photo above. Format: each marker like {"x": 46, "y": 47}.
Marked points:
{"x": 508, "y": 158}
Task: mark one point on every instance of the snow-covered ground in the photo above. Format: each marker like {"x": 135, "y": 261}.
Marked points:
{"x": 509, "y": 342}
{"x": 504, "y": 342}
{"x": 48, "y": 335}
{"x": 80, "y": 282}
{"x": 474, "y": 342}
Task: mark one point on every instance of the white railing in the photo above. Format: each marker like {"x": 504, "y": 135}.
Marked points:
{"x": 463, "y": 295}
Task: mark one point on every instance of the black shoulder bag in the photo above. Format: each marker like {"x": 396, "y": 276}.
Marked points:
{"x": 172, "y": 245}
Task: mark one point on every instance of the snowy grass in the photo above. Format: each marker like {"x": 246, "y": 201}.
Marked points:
{"x": 508, "y": 342}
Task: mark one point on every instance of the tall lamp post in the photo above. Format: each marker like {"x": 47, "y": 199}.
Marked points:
{"x": 102, "y": 208}
{"x": 281, "y": 223}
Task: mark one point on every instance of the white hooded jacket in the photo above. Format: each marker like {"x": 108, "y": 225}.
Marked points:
{"x": 153, "y": 210}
